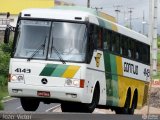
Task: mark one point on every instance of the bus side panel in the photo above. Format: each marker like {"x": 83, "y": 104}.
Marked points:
{"x": 117, "y": 84}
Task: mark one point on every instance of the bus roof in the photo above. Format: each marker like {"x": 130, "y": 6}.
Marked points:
{"x": 84, "y": 14}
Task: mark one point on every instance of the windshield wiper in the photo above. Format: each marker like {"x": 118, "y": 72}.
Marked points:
{"x": 37, "y": 50}
{"x": 58, "y": 54}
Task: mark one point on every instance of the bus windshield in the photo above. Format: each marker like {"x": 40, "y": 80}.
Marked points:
{"x": 51, "y": 40}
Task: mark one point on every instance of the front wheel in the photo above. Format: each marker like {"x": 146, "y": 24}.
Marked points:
{"x": 29, "y": 104}
{"x": 81, "y": 107}
{"x": 91, "y": 106}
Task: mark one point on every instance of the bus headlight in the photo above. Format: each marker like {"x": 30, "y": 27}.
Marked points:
{"x": 16, "y": 78}
{"x": 74, "y": 83}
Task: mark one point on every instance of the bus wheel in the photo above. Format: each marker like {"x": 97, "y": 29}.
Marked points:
{"x": 91, "y": 106}
{"x": 29, "y": 104}
{"x": 81, "y": 107}
{"x": 125, "y": 109}
{"x": 134, "y": 104}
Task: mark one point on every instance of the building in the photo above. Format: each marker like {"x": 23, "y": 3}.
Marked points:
{"x": 10, "y": 9}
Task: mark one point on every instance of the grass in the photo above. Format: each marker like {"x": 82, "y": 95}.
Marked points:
{"x": 3, "y": 93}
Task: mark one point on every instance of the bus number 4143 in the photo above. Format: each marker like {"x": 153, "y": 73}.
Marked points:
{"x": 25, "y": 70}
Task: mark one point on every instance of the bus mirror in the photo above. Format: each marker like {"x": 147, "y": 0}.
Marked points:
{"x": 6, "y": 35}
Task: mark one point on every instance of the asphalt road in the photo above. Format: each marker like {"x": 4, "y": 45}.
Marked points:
{"x": 14, "y": 105}
{"x": 14, "y": 110}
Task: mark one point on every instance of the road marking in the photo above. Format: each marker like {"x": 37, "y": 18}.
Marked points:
{"x": 19, "y": 107}
{"x": 55, "y": 107}
{"x": 3, "y": 101}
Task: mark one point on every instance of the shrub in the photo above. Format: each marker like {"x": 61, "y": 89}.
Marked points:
{"x": 1, "y": 105}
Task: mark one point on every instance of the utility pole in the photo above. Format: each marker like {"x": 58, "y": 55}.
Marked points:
{"x": 130, "y": 19}
{"x": 143, "y": 23}
{"x": 117, "y": 11}
{"x": 153, "y": 34}
{"x": 88, "y": 3}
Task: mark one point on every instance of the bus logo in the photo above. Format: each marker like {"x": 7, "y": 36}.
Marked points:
{"x": 97, "y": 58}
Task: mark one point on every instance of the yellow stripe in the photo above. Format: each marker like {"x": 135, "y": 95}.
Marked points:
{"x": 119, "y": 65}
{"x": 70, "y": 71}
{"x": 114, "y": 27}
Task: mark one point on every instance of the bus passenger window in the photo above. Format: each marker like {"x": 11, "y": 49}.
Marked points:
{"x": 100, "y": 38}
{"x": 121, "y": 50}
{"x": 109, "y": 33}
{"x": 129, "y": 53}
{"x": 113, "y": 47}
{"x": 137, "y": 55}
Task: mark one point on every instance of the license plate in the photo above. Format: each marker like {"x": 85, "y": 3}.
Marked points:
{"x": 43, "y": 93}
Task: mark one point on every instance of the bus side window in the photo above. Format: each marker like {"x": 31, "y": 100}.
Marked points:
{"x": 100, "y": 38}
{"x": 125, "y": 46}
{"x": 120, "y": 45}
{"x": 136, "y": 51}
{"x": 132, "y": 48}
{"x": 105, "y": 41}
{"x": 113, "y": 42}
{"x": 117, "y": 46}
{"x": 109, "y": 36}
{"x": 145, "y": 54}
{"x": 148, "y": 54}
{"x": 94, "y": 35}
{"x": 129, "y": 48}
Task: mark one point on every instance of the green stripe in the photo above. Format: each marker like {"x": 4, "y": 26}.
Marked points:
{"x": 107, "y": 62}
{"x": 114, "y": 79}
{"x": 58, "y": 72}
{"x": 47, "y": 71}
{"x": 111, "y": 78}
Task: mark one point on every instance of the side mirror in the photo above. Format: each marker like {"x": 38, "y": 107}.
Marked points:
{"x": 6, "y": 35}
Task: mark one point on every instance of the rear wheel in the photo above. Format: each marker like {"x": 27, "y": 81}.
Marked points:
{"x": 134, "y": 104}
{"x": 29, "y": 104}
{"x": 125, "y": 109}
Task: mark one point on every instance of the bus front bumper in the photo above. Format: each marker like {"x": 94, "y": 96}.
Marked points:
{"x": 60, "y": 93}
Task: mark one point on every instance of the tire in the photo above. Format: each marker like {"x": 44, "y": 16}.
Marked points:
{"x": 81, "y": 107}
{"x": 134, "y": 104}
{"x": 29, "y": 104}
{"x": 96, "y": 95}
{"x": 125, "y": 109}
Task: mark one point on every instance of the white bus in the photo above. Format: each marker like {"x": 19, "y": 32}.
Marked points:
{"x": 76, "y": 57}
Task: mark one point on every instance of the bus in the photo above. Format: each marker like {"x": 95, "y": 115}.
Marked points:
{"x": 78, "y": 58}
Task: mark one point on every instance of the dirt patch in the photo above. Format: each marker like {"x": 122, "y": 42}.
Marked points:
{"x": 155, "y": 97}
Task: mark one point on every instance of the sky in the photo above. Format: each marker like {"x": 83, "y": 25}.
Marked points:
{"x": 139, "y": 7}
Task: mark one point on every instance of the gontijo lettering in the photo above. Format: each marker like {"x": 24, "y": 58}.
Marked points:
{"x": 130, "y": 68}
